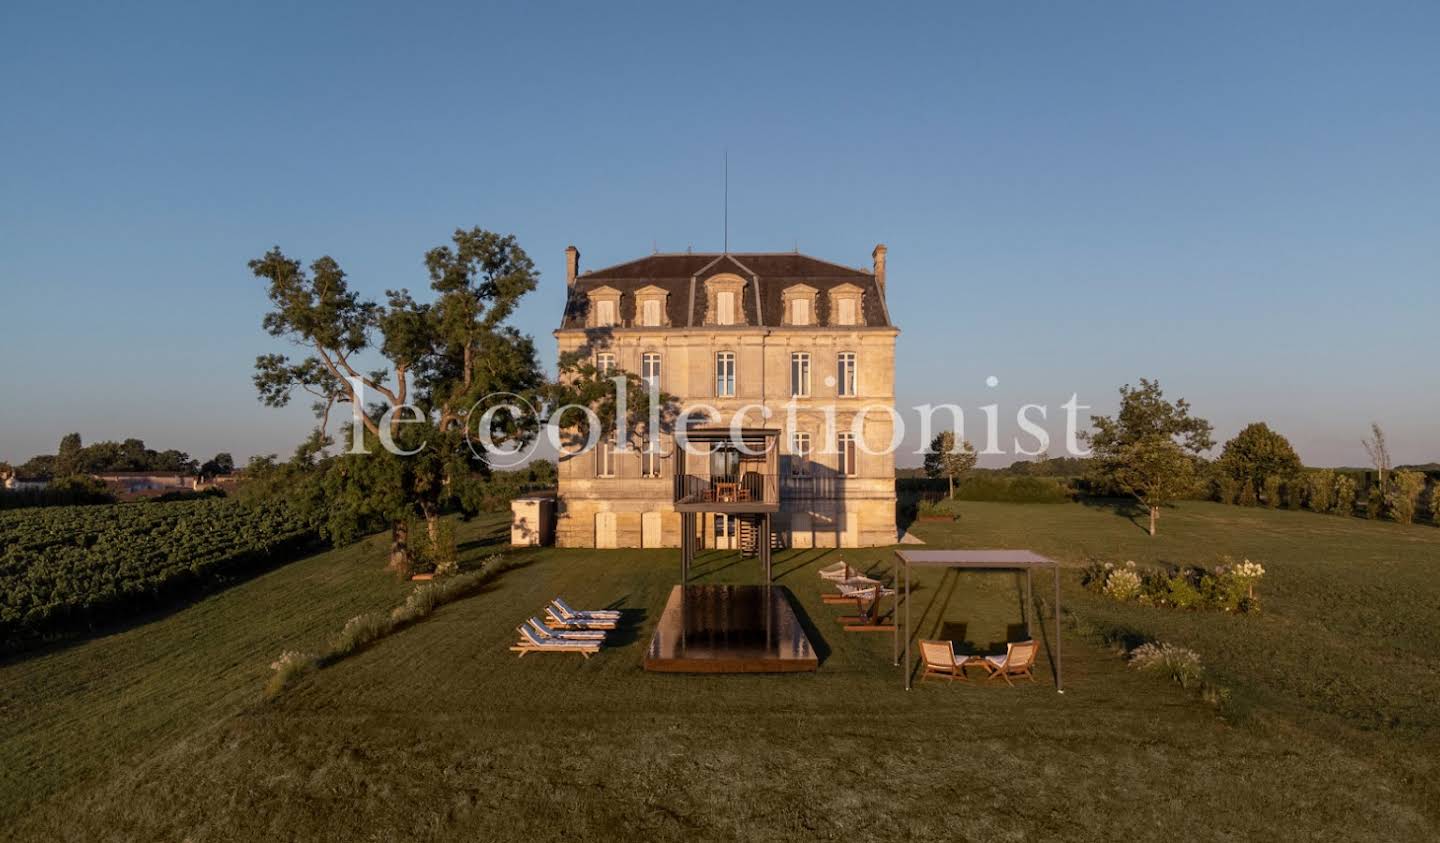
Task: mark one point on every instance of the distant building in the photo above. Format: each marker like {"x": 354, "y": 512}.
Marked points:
{"x": 734, "y": 331}
{"x": 133, "y": 485}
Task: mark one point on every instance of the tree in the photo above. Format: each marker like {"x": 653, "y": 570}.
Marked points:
{"x": 943, "y": 459}
{"x": 1257, "y": 453}
{"x": 1402, "y": 498}
{"x": 222, "y": 464}
{"x": 441, "y": 357}
{"x": 1320, "y": 486}
{"x": 68, "y": 455}
{"x": 1379, "y": 452}
{"x": 1156, "y": 471}
{"x": 1150, "y": 448}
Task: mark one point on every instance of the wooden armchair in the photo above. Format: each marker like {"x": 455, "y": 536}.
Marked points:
{"x": 941, "y": 660}
{"x": 1019, "y": 660}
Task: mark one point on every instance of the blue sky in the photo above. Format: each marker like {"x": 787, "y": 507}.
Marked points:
{"x": 1242, "y": 200}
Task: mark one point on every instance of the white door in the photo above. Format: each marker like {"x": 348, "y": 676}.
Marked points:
{"x": 605, "y": 530}
{"x": 650, "y": 529}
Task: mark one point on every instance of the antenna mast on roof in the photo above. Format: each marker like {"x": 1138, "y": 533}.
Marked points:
{"x": 727, "y": 200}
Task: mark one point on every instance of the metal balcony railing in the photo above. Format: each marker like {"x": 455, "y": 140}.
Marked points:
{"x": 749, "y": 487}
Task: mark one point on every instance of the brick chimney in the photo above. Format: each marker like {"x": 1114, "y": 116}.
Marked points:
{"x": 879, "y": 256}
{"x": 572, "y": 265}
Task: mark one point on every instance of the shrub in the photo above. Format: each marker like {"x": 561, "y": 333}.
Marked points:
{"x": 1229, "y": 586}
{"x": 359, "y": 631}
{"x": 1345, "y": 495}
{"x": 1247, "y": 494}
{"x": 290, "y": 666}
{"x": 439, "y": 553}
{"x": 998, "y": 489}
{"x": 1181, "y": 592}
{"x": 1123, "y": 583}
{"x": 1178, "y": 663}
{"x": 1294, "y": 493}
{"x": 1226, "y": 489}
{"x": 1403, "y": 496}
{"x": 1272, "y": 492}
{"x": 934, "y": 508}
{"x": 1374, "y": 502}
{"x": 1320, "y": 489}
{"x": 1435, "y": 502}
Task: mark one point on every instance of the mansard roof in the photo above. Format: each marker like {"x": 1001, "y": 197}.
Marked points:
{"x": 766, "y": 274}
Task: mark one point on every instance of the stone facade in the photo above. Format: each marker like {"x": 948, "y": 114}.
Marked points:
{"x": 711, "y": 310}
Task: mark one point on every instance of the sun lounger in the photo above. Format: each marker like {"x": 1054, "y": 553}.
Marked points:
{"x": 863, "y": 590}
{"x": 566, "y": 634}
{"x": 566, "y": 610}
{"x": 576, "y": 622}
{"x": 1019, "y": 660}
{"x": 847, "y": 589}
{"x": 838, "y": 571}
{"x": 531, "y": 642}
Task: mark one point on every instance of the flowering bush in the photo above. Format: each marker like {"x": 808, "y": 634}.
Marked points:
{"x": 1123, "y": 583}
{"x": 1229, "y": 585}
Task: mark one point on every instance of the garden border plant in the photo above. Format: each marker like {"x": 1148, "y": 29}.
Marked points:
{"x": 1228, "y": 586}
{"x": 364, "y": 630}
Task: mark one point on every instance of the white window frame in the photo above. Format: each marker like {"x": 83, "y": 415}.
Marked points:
{"x": 605, "y": 458}
{"x": 847, "y": 374}
{"x": 800, "y": 374}
{"x": 725, "y": 370}
{"x": 646, "y": 374}
{"x": 605, "y": 363}
{"x": 800, "y": 451}
{"x": 845, "y": 446}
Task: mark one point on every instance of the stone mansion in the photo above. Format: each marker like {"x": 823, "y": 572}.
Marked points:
{"x": 809, "y": 340}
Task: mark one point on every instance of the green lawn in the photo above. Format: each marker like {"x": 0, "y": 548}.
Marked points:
{"x": 159, "y": 733}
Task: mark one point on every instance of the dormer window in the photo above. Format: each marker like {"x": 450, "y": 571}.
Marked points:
{"x": 799, "y": 305}
{"x": 725, "y": 294}
{"x": 650, "y": 307}
{"x": 725, "y": 308}
{"x": 800, "y": 312}
{"x": 604, "y": 307}
{"x": 845, "y": 305}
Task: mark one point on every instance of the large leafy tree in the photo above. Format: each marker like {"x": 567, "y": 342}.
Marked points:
{"x": 407, "y": 454}
{"x": 1256, "y": 453}
{"x": 1150, "y": 448}
{"x": 943, "y": 459}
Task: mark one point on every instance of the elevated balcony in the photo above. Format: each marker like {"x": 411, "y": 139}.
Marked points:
{"x": 730, "y": 474}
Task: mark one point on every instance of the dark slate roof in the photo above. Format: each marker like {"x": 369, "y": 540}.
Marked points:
{"x": 772, "y": 271}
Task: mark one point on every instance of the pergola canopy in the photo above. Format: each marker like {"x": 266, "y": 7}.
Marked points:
{"x": 975, "y": 558}
{"x": 1000, "y": 560}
